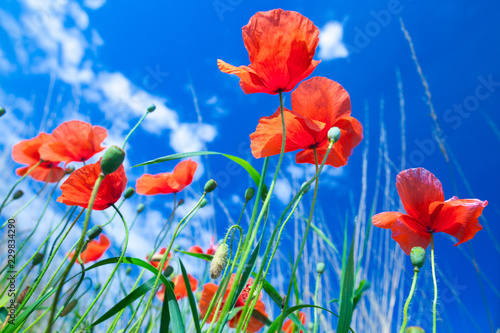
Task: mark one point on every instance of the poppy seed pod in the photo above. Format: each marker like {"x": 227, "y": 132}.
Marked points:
{"x": 22, "y": 295}
{"x": 249, "y": 193}
{"x": 69, "y": 170}
{"x": 37, "y": 259}
{"x": 320, "y": 267}
{"x": 2, "y": 111}
{"x": 112, "y": 159}
{"x": 414, "y": 329}
{"x": 17, "y": 194}
{"x": 334, "y": 134}
{"x": 210, "y": 186}
{"x": 203, "y": 203}
{"x": 129, "y": 192}
{"x": 94, "y": 232}
{"x": 180, "y": 203}
{"x": 129, "y": 270}
{"x": 68, "y": 308}
{"x": 417, "y": 256}
{"x": 140, "y": 208}
{"x": 151, "y": 108}
{"x": 219, "y": 261}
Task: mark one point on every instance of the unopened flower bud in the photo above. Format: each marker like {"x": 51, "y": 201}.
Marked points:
{"x": 17, "y": 194}
{"x": 94, "y": 232}
{"x": 306, "y": 187}
{"x": 151, "y": 108}
{"x": 128, "y": 192}
{"x": 203, "y": 203}
{"x": 180, "y": 203}
{"x": 112, "y": 159}
{"x": 414, "y": 329}
{"x": 310, "y": 325}
{"x": 219, "y": 261}
{"x": 37, "y": 259}
{"x": 128, "y": 270}
{"x": 334, "y": 134}
{"x": 140, "y": 208}
{"x": 249, "y": 193}
{"x": 97, "y": 287}
{"x": 2, "y": 111}
{"x": 198, "y": 296}
{"x": 68, "y": 308}
{"x": 22, "y": 295}
{"x": 69, "y": 169}
{"x": 210, "y": 186}
{"x": 320, "y": 267}
{"x": 417, "y": 256}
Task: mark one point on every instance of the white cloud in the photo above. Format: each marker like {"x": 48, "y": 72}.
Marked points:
{"x": 5, "y": 65}
{"x": 191, "y": 137}
{"x": 330, "y": 41}
{"x": 283, "y": 191}
{"x": 94, "y": 4}
{"x": 212, "y": 100}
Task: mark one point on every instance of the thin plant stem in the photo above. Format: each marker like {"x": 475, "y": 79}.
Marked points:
{"x": 408, "y": 301}
{"x": 434, "y": 302}
{"x": 316, "y": 292}
{"x": 17, "y": 183}
{"x": 134, "y": 128}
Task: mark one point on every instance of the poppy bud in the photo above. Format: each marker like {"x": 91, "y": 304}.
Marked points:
{"x": 112, "y": 159}
{"x": 22, "y": 295}
{"x": 180, "y": 203}
{"x": 94, "y": 232}
{"x": 2, "y": 111}
{"x": 334, "y": 134}
{"x": 129, "y": 270}
{"x": 203, "y": 203}
{"x": 128, "y": 192}
{"x": 69, "y": 170}
{"x": 37, "y": 259}
{"x": 417, "y": 256}
{"x": 140, "y": 208}
{"x": 414, "y": 329}
{"x": 320, "y": 267}
{"x": 151, "y": 108}
{"x": 198, "y": 296}
{"x": 68, "y": 308}
{"x": 310, "y": 325}
{"x": 249, "y": 193}
{"x": 219, "y": 261}
{"x": 17, "y": 194}
{"x": 97, "y": 287}
{"x": 306, "y": 187}
{"x": 210, "y": 186}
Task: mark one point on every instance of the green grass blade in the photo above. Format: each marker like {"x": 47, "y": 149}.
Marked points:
{"x": 347, "y": 294}
{"x": 192, "y": 301}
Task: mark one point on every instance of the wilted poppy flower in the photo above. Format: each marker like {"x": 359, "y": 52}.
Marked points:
{"x": 258, "y": 316}
{"x": 211, "y": 250}
{"x": 74, "y": 141}
{"x": 180, "y": 290}
{"x": 27, "y": 152}
{"x": 77, "y": 189}
{"x": 281, "y": 45}
{"x": 95, "y": 249}
{"x": 423, "y": 199}
{"x": 289, "y": 326}
{"x": 165, "y": 183}
{"x": 318, "y": 104}
{"x": 156, "y": 258}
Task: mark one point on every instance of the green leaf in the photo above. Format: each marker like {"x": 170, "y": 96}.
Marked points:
{"x": 347, "y": 294}
{"x": 322, "y": 235}
{"x": 362, "y": 287}
{"x": 203, "y": 256}
{"x": 192, "y": 301}
{"x": 243, "y": 163}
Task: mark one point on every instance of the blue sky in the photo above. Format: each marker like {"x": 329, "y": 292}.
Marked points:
{"x": 105, "y": 62}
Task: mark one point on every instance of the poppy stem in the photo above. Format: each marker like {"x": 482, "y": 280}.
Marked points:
{"x": 408, "y": 301}
{"x": 79, "y": 247}
{"x": 316, "y": 317}
{"x": 17, "y": 183}
{"x": 134, "y": 128}
{"x": 434, "y": 303}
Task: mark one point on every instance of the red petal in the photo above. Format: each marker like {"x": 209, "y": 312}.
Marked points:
{"x": 26, "y": 151}
{"x": 195, "y": 249}
{"x": 165, "y": 183}
{"x": 458, "y": 218}
{"x": 385, "y": 220}
{"x": 180, "y": 290}
{"x": 288, "y": 326}
{"x": 418, "y": 188}
{"x": 207, "y": 295}
{"x": 249, "y": 81}
{"x": 95, "y": 249}
{"x": 254, "y": 325}
{"x": 50, "y": 174}
{"x": 407, "y": 237}
{"x": 184, "y": 173}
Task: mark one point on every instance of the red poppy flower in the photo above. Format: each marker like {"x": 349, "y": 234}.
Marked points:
{"x": 180, "y": 290}
{"x": 318, "y": 104}
{"x": 76, "y": 190}
{"x": 288, "y": 326}
{"x": 211, "y": 250}
{"x": 74, "y": 141}
{"x": 27, "y": 152}
{"x": 156, "y": 258}
{"x": 259, "y": 312}
{"x": 423, "y": 199}
{"x": 95, "y": 249}
{"x": 165, "y": 183}
{"x": 281, "y": 45}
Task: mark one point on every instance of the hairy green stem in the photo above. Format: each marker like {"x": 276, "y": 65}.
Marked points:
{"x": 434, "y": 302}
{"x": 408, "y": 301}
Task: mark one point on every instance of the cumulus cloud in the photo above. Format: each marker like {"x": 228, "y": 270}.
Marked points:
{"x": 330, "y": 41}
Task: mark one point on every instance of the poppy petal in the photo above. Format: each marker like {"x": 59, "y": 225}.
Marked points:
{"x": 180, "y": 290}
{"x": 255, "y": 324}
{"x": 184, "y": 172}
{"x": 408, "y": 237}
{"x": 166, "y": 183}
{"x": 208, "y": 293}
{"x": 26, "y": 151}
{"x": 50, "y": 174}
{"x": 250, "y": 82}
{"x": 458, "y": 218}
{"x": 195, "y": 249}
{"x": 385, "y": 220}
{"x": 95, "y": 249}
{"x": 418, "y": 188}
{"x": 288, "y": 326}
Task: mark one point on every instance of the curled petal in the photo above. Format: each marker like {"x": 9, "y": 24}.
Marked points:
{"x": 27, "y": 151}
{"x": 95, "y": 249}
{"x": 165, "y": 183}
{"x": 249, "y": 81}
{"x": 45, "y": 172}
{"x": 458, "y": 218}
{"x": 385, "y": 220}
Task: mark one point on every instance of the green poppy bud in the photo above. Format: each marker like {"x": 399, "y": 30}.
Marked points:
{"x": 414, "y": 329}
{"x": 129, "y": 192}
{"x": 97, "y": 287}
{"x": 151, "y": 108}
{"x": 68, "y": 308}
{"x": 334, "y": 134}
{"x": 22, "y": 295}
{"x": 306, "y": 187}
{"x": 249, "y": 193}
{"x": 128, "y": 270}
{"x": 203, "y": 203}
{"x": 37, "y": 259}
{"x": 17, "y": 194}
{"x": 417, "y": 256}
{"x": 320, "y": 267}
{"x": 112, "y": 159}
{"x": 69, "y": 170}
{"x": 219, "y": 261}
{"x": 140, "y": 208}
{"x": 210, "y": 186}
{"x": 94, "y": 232}
{"x": 2, "y": 111}
{"x": 180, "y": 203}
{"x": 198, "y": 296}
